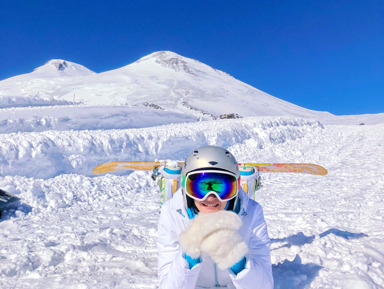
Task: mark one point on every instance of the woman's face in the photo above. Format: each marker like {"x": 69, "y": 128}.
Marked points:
{"x": 210, "y": 205}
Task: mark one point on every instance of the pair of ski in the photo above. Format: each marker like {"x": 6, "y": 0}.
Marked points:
{"x": 267, "y": 167}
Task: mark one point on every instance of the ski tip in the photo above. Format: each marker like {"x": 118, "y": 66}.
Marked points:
{"x": 125, "y": 166}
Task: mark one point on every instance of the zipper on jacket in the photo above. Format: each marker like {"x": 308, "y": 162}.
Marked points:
{"x": 217, "y": 281}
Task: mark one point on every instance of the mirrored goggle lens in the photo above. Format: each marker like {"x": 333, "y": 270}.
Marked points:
{"x": 199, "y": 185}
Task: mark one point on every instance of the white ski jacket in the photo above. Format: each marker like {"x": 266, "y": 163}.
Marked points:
{"x": 173, "y": 268}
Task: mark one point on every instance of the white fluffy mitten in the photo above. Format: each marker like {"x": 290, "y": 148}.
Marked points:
{"x": 226, "y": 248}
{"x": 215, "y": 235}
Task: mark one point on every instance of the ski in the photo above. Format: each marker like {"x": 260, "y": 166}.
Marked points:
{"x": 304, "y": 168}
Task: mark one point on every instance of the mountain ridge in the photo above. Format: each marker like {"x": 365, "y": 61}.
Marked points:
{"x": 162, "y": 80}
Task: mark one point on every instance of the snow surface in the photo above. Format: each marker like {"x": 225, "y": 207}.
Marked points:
{"x": 75, "y": 230}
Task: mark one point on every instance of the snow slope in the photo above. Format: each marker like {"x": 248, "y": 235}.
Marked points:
{"x": 80, "y": 117}
{"x": 75, "y": 230}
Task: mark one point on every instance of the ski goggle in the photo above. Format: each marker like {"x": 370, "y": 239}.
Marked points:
{"x": 199, "y": 185}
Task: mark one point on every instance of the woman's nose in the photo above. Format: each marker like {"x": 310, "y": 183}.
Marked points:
{"x": 211, "y": 197}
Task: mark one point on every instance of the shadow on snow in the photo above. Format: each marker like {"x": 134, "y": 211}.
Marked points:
{"x": 295, "y": 274}
{"x": 300, "y": 239}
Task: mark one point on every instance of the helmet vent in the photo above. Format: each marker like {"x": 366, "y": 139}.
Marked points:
{"x": 213, "y": 163}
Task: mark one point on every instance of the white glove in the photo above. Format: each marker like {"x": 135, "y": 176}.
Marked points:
{"x": 215, "y": 235}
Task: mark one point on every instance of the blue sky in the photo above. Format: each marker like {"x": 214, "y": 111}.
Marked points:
{"x": 323, "y": 55}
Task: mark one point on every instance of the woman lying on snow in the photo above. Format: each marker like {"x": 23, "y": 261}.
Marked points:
{"x": 210, "y": 234}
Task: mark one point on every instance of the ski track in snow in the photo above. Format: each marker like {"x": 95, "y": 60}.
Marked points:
{"x": 76, "y": 230}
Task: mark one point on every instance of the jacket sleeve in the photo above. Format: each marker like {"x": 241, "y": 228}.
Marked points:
{"x": 257, "y": 273}
{"x": 173, "y": 268}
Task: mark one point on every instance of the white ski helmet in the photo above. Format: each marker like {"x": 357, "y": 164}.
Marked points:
{"x": 209, "y": 158}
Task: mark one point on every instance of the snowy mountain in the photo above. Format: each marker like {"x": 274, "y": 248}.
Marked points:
{"x": 42, "y": 86}
{"x": 60, "y": 68}
{"x": 72, "y": 229}
{"x": 162, "y": 80}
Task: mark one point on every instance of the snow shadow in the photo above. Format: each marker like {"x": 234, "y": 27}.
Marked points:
{"x": 343, "y": 234}
{"x": 300, "y": 239}
{"x": 294, "y": 274}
